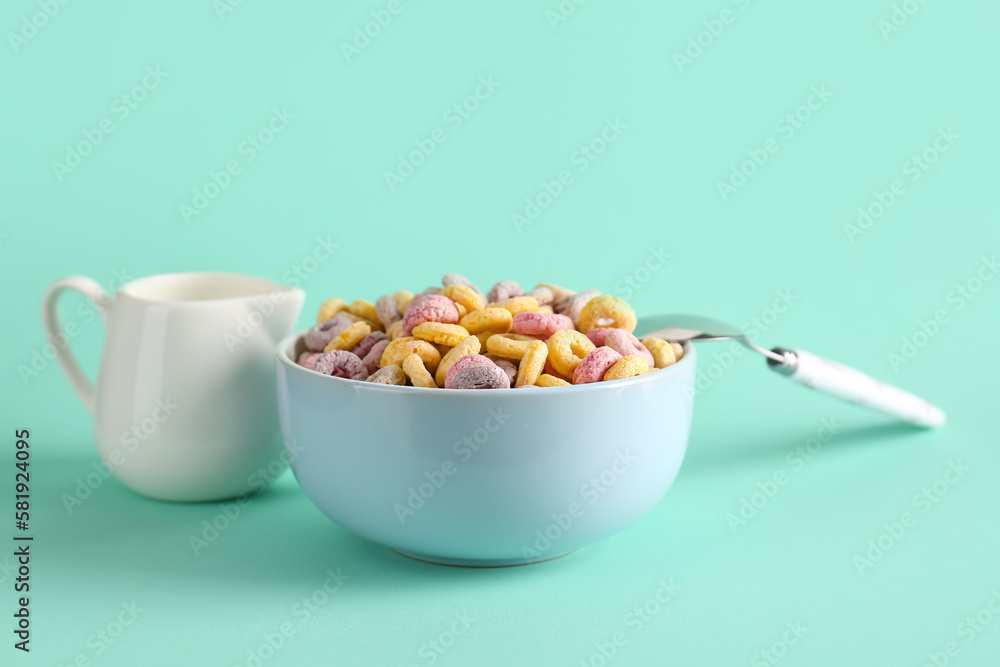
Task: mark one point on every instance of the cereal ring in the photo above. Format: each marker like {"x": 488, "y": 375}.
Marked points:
{"x": 401, "y": 348}
{"x": 440, "y": 333}
{"x": 403, "y": 298}
{"x": 367, "y": 343}
{"x": 450, "y": 279}
{"x": 678, "y": 350}
{"x": 551, "y": 370}
{"x": 543, "y": 295}
{"x": 341, "y": 364}
{"x": 546, "y": 380}
{"x": 395, "y": 330}
{"x": 308, "y": 359}
{"x": 503, "y": 290}
{"x": 626, "y": 344}
{"x": 542, "y": 325}
{"x": 430, "y": 291}
{"x": 462, "y": 311}
{"x": 463, "y": 295}
{"x": 413, "y": 366}
{"x": 572, "y": 305}
{"x": 532, "y": 363}
{"x": 517, "y": 304}
{"x": 595, "y": 365}
{"x": 545, "y": 309}
{"x": 442, "y": 349}
{"x": 598, "y": 335}
{"x": 508, "y": 345}
{"x": 567, "y": 348}
{"x": 329, "y": 308}
{"x": 362, "y": 308}
{"x": 467, "y": 360}
{"x": 488, "y": 320}
{"x": 508, "y": 366}
{"x": 387, "y": 310}
{"x": 470, "y": 345}
{"x": 374, "y": 357}
{"x": 374, "y": 324}
{"x": 607, "y": 311}
{"x": 320, "y": 335}
{"x": 483, "y": 338}
{"x": 349, "y": 337}
{"x": 429, "y": 308}
{"x": 557, "y": 291}
{"x": 627, "y": 367}
{"x": 662, "y": 351}
{"x": 481, "y": 377}
{"x": 389, "y": 375}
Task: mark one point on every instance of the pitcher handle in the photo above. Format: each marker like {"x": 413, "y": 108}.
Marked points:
{"x": 53, "y": 328}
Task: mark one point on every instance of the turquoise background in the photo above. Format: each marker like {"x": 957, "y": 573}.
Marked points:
{"x": 857, "y": 296}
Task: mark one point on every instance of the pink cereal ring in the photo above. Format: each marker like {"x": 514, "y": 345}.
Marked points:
{"x": 374, "y": 357}
{"x": 341, "y": 364}
{"x": 481, "y": 377}
{"x": 503, "y": 290}
{"x": 365, "y": 345}
{"x": 541, "y": 325}
{"x": 597, "y": 336}
{"x": 595, "y": 365}
{"x": 625, "y": 344}
{"x": 308, "y": 359}
{"x": 319, "y": 336}
{"x": 429, "y": 308}
{"x": 467, "y": 360}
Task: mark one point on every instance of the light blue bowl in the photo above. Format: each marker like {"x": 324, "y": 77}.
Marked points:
{"x": 484, "y": 477}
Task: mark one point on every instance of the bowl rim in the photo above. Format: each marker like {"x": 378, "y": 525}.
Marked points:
{"x": 287, "y": 343}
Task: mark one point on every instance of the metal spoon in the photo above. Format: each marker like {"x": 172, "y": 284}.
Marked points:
{"x": 803, "y": 367}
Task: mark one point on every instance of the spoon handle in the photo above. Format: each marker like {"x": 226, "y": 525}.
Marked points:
{"x": 852, "y": 385}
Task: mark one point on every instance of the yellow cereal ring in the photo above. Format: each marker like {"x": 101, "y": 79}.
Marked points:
{"x": 442, "y": 349}
{"x": 483, "y": 337}
{"x": 395, "y": 330}
{"x": 362, "y": 308}
{"x": 462, "y": 310}
{"x": 551, "y": 370}
{"x": 678, "y": 350}
{"x": 557, "y": 291}
{"x": 468, "y": 345}
{"x": 607, "y": 311}
{"x": 567, "y": 348}
{"x": 627, "y": 367}
{"x": 517, "y": 304}
{"x": 663, "y": 353}
{"x": 488, "y": 320}
{"x": 545, "y": 309}
{"x": 532, "y": 363}
{"x": 441, "y": 333}
{"x": 349, "y": 337}
{"x": 374, "y": 324}
{"x": 330, "y": 308}
{"x": 546, "y": 380}
{"x": 401, "y": 348}
{"x": 509, "y": 346}
{"x": 465, "y": 296}
{"x": 402, "y": 298}
{"x": 413, "y": 366}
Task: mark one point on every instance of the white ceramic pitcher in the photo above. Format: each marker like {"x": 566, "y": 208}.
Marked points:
{"x": 184, "y": 408}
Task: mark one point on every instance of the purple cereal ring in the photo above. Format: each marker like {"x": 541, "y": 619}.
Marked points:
{"x": 509, "y": 367}
{"x": 625, "y": 344}
{"x": 467, "y": 360}
{"x": 430, "y": 290}
{"x": 308, "y": 359}
{"x": 595, "y": 365}
{"x": 386, "y": 310}
{"x": 374, "y": 357}
{"x": 320, "y": 335}
{"x": 503, "y": 290}
{"x": 341, "y": 364}
{"x": 598, "y": 335}
{"x": 541, "y": 325}
{"x": 367, "y": 343}
{"x": 459, "y": 279}
{"x": 481, "y": 377}
{"x": 429, "y": 308}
